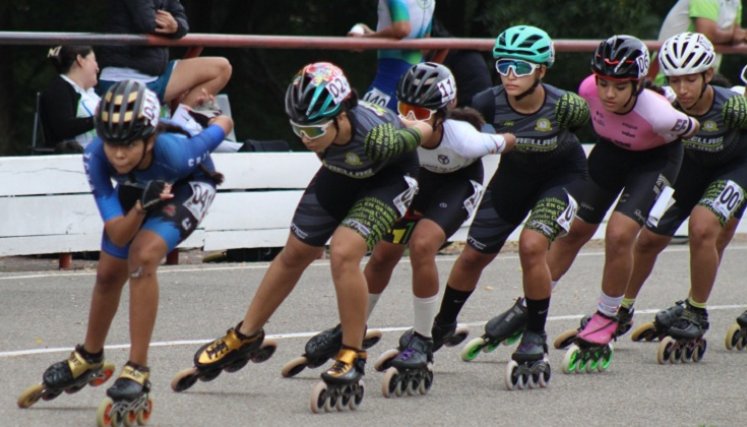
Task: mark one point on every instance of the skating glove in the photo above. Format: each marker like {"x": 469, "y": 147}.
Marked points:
{"x": 151, "y": 197}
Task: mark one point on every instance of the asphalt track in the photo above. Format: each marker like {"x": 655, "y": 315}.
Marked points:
{"x": 43, "y": 314}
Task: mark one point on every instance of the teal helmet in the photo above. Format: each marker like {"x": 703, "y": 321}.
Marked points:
{"x": 316, "y": 93}
{"x": 525, "y": 42}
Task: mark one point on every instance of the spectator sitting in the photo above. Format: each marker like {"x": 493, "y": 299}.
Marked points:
{"x": 185, "y": 81}
{"x": 69, "y": 101}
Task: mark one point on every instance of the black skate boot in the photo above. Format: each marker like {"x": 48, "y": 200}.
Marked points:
{"x": 128, "y": 400}
{"x": 322, "y": 347}
{"x": 659, "y": 328}
{"x": 447, "y": 334}
{"x": 529, "y": 366}
{"x": 70, "y": 376}
{"x": 736, "y": 335}
{"x": 624, "y": 321}
{"x": 505, "y": 328}
{"x": 684, "y": 341}
{"x": 342, "y": 384}
{"x": 410, "y": 370}
{"x": 229, "y": 353}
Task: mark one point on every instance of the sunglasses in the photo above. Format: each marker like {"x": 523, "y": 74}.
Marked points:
{"x": 413, "y": 112}
{"x": 310, "y": 131}
{"x": 520, "y": 68}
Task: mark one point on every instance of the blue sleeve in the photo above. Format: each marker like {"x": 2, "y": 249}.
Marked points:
{"x": 97, "y": 171}
{"x": 184, "y": 155}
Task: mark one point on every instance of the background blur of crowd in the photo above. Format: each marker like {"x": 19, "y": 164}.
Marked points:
{"x": 261, "y": 75}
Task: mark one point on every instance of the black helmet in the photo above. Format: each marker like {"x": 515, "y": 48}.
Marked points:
{"x": 317, "y": 92}
{"x": 427, "y": 85}
{"x": 621, "y": 57}
{"x": 128, "y": 111}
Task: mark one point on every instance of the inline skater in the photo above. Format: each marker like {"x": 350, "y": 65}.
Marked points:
{"x": 365, "y": 183}
{"x": 639, "y": 154}
{"x": 160, "y": 197}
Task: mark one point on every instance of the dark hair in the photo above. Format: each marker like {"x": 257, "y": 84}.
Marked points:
{"x": 469, "y": 115}
{"x": 720, "y": 80}
{"x": 649, "y": 84}
{"x": 63, "y": 57}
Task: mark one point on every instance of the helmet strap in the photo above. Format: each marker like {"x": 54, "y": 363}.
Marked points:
{"x": 529, "y": 91}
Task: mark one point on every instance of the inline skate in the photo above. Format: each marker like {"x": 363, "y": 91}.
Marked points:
{"x": 529, "y": 366}
{"x": 342, "y": 384}
{"x": 625, "y": 322}
{"x": 70, "y": 376}
{"x": 592, "y": 349}
{"x": 684, "y": 341}
{"x": 448, "y": 335}
{"x": 659, "y": 328}
{"x": 410, "y": 371}
{"x": 128, "y": 400}
{"x": 322, "y": 347}
{"x": 505, "y": 328}
{"x": 229, "y": 353}
{"x": 736, "y": 335}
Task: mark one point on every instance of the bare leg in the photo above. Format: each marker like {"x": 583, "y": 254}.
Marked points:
{"x": 618, "y": 253}
{"x": 468, "y": 268}
{"x": 424, "y": 245}
{"x": 647, "y": 248}
{"x": 347, "y": 248}
{"x": 278, "y": 282}
{"x": 111, "y": 275}
{"x": 146, "y": 252}
{"x": 195, "y": 76}
{"x": 704, "y": 232}
{"x": 381, "y": 264}
{"x": 563, "y": 251}
{"x": 533, "y": 248}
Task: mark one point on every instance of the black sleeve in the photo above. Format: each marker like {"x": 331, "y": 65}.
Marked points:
{"x": 176, "y": 9}
{"x": 58, "y": 108}
{"x": 142, "y": 15}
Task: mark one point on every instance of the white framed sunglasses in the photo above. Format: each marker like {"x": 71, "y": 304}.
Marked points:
{"x": 520, "y": 67}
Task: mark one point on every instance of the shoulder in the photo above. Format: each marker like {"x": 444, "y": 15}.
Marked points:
{"x": 588, "y": 87}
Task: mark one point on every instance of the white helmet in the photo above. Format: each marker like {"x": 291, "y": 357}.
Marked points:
{"x": 686, "y": 53}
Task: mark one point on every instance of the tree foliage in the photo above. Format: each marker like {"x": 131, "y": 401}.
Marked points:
{"x": 261, "y": 75}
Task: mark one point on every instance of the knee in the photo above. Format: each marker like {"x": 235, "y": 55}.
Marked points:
{"x": 143, "y": 260}
{"x": 649, "y": 243}
{"x": 472, "y": 260}
{"x": 618, "y": 239}
{"x": 421, "y": 248}
{"x": 532, "y": 248}
{"x": 224, "y": 68}
{"x": 341, "y": 256}
{"x": 701, "y": 233}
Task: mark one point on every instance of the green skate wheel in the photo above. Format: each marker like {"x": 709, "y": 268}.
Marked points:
{"x": 472, "y": 349}
{"x": 571, "y": 360}
{"x": 510, "y": 340}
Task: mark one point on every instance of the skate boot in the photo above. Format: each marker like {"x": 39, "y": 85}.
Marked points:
{"x": 736, "y": 335}
{"x": 410, "y": 370}
{"x": 529, "y": 366}
{"x": 229, "y": 353}
{"x": 342, "y": 384}
{"x": 658, "y": 329}
{"x": 624, "y": 319}
{"x": 684, "y": 341}
{"x": 322, "y": 347}
{"x": 447, "y": 335}
{"x": 69, "y": 376}
{"x": 128, "y": 400}
{"x": 505, "y": 328}
{"x": 591, "y": 350}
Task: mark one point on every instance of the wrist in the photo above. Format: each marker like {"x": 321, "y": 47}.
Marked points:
{"x": 139, "y": 209}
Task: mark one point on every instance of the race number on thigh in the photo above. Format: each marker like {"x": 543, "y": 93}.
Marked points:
{"x": 565, "y": 219}
{"x": 473, "y": 201}
{"x": 728, "y": 200}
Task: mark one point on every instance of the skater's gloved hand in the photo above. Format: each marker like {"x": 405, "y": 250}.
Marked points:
{"x": 155, "y": 192}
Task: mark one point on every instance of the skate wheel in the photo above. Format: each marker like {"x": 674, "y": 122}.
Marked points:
{"x": 143, "y": 415}
{"x": 426, "y": 383}
{"x": 511, "y": 376}
{"x": 732, "y": 339}
{"x": 565, "y": 339}
{"x": 266, "y": 350}
{"x": 49, "y": 394}
{"x": 130, "y": 418}
{"x": 30, "y": 396}
{"x": 107, "y": 370}
{"x": 742, "y": 343}
{"x": 372, "y": 338}
{"x": 358, "y": 391}
{"x": 104, "y": 415}
{"x": 606, "y": 360}
{"x": 545, "y": 374}
{"x": 665, "y": 350}
{"x": 318, "y": 397}
{"x": 390, "y": 383}
{"x": 571, "y": 359}
{"x": 235, "y": 366}
{"x": 384, "y": 361}
{"x": 294, "y": 367}
{"x": 646, "y": 331}
{"x": 184, "y": 379}
{"x": 513, "y": 339}
{"x": 472, "y": 349}
{"x": 700, "y": 350}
